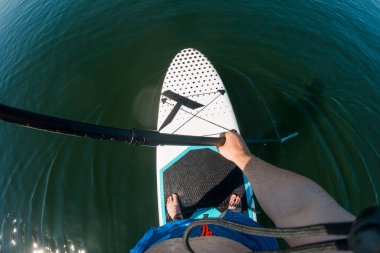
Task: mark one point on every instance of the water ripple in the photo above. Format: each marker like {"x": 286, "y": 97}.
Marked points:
{"x": 310, "y": 67}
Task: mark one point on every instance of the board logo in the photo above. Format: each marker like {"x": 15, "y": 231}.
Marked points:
{"x": 181, "y": 101}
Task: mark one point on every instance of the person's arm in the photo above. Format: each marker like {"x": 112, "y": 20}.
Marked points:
{"x": 289, "y": 199}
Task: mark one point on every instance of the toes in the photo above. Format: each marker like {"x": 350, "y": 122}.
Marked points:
{"x": 231, "y": 203}
{"x": 232, "y": 199}
{"x": 172, "y": 206}
{"x": 237, "y": 201}
{"x": 169, "y": 199}
{"x": 172, "y": 199}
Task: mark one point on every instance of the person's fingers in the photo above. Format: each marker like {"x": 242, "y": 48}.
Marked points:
{"x": 169, "y": 199}
{"x": 175, "y": 197}
{"x": 222, "y": 135}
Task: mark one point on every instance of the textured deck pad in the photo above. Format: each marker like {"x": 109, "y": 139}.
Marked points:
{"x": 202, "y": 179}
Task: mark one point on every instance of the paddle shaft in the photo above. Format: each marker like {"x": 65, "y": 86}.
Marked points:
{"x": 75, "y": 128}
{"x": 132, "y": 136}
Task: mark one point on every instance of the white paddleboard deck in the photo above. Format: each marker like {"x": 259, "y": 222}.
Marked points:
{"x": 195, "y": 102}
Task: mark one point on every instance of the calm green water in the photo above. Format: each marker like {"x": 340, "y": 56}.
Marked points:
{"x": 307, "y": 66}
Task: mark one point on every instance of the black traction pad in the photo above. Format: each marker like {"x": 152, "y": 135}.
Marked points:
{"x": 202, "y": 178}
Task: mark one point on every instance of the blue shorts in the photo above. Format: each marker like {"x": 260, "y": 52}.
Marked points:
{"x": 176, "y": 229}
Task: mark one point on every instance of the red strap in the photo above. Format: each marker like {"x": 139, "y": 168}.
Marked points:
{"x": 206, "y": 231}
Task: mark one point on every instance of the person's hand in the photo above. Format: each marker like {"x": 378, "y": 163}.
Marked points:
{"x": 235, "y": 149}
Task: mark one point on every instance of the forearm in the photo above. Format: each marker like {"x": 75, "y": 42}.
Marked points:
{"x": 282, "y": 193}
{"x": 291, "y": 200}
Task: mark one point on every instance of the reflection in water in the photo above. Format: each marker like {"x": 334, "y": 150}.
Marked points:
{"x": 14, "y": 239}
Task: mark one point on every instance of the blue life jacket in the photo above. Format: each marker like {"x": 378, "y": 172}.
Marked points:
{"x": 176, "y": 229}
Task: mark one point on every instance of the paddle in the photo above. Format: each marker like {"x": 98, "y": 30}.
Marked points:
{"x": 132, "y": 136}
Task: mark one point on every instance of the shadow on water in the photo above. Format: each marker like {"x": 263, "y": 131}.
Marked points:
{"x": 268, "y": 121}
{"x": 329, "y": 149}
{"x": 306, "y": 101}
{"x": 329, "y": 143}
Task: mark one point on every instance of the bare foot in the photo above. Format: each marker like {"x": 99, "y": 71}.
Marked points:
{"x": 172, "y": 205}
{"x": 235, "y": 203}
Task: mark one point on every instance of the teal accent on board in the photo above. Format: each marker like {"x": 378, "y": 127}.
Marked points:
{"x": 200, "y": 212}
{"x": 249, "y": 196}
{"x": 212, "y": 212}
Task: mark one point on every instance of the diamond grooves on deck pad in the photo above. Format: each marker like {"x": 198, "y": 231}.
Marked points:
{"x": 203, "y": 178}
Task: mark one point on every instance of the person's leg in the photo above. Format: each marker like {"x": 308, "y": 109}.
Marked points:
{"x": 172, "y": 206}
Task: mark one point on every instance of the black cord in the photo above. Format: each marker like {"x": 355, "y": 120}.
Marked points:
{"x": 315, "y": 247}
{"x": 313, "y": 230}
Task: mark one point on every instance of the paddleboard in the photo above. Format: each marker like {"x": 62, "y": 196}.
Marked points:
{"x": 195, "y": 102}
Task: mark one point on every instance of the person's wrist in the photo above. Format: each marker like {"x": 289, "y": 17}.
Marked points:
{"x": 243, "y": 160}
